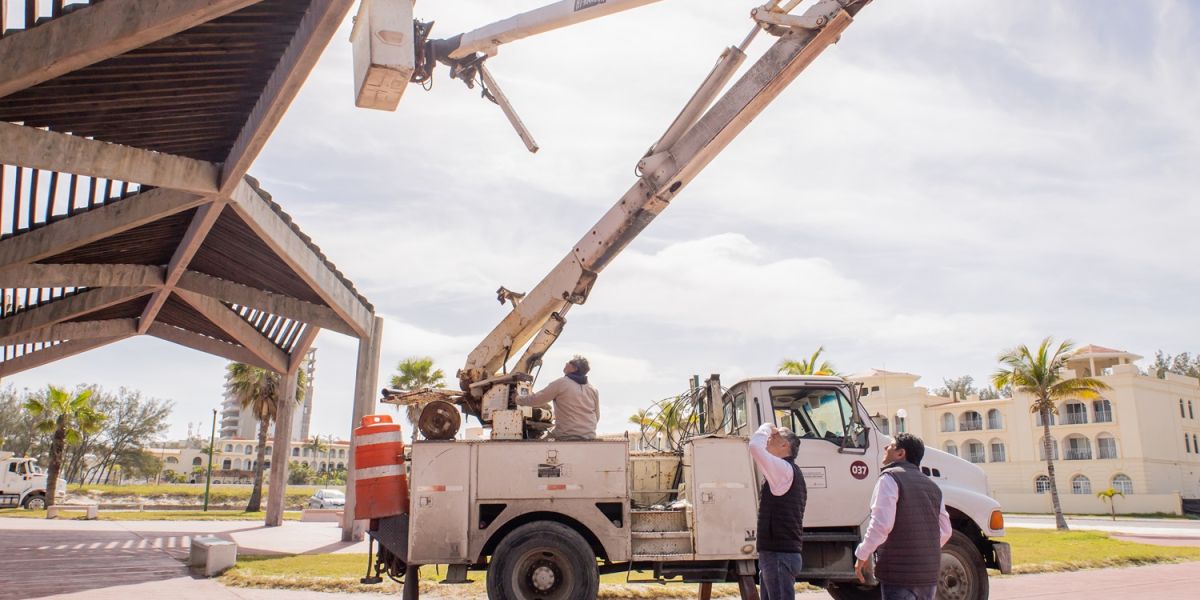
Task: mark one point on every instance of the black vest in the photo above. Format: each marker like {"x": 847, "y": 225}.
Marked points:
{"x": 912, "y": 553}
{"x": 781, "y": 518}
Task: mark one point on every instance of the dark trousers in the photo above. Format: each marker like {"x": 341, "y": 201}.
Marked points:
{"x": 916, "y": 592}
{"x": 777, "y": 573}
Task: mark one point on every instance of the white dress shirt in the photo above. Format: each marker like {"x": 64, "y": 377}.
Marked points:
{"x": 777, "y": 471}
{"x": 883, "y": 517}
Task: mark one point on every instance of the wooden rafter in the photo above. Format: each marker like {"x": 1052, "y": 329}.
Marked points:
{"x": 95, "y": 224}
{"x": 299, "y": 256}
{"x": 40, "y": 149}
{"x": 316, "y": 29}
{"x": 275, "y": 304}
{"x": 100, "y": 31}
{"x": 51, "y": 354}
{"x": 237, "y": 328}
{"x": 85, "y": 330}
{"x": 206, "y": 344}
{"x": 82, "y": 275}
{"x": 197, "y": 231}
{"x": 302, "y": 345}
{"x": 65, "y": 309}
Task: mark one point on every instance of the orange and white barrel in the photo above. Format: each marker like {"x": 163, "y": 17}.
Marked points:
{"x": 380, "y": 485}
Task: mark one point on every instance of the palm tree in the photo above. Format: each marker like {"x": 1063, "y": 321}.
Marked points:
{"x": 317, "y": 446}
{"x": 68, "y": 417}
{"x": 1040, "y": 375}
{"x": 1107, "y": 496}
{"x": 414, "y": 373}
{"x": 808, "y": 366}
{"x": 259, "y": 390}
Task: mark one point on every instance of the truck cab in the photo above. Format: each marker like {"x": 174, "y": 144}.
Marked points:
{"x": 23, "y": 482}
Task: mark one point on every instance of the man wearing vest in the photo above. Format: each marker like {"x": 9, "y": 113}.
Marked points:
{"x": 780, "y": 510}
{"x": 908, "y": 527}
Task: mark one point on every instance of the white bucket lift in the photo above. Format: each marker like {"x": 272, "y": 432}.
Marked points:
{"x": 384, "y": 53}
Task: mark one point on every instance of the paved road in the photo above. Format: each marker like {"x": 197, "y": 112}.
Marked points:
{"x": 1162, "y": 532}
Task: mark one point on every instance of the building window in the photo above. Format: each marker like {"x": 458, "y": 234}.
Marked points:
{"x": 1122, "y": 483}
{"x": 947, "y": 422}
{"x": 306, "y": 452}
{"x": 1053, "y": 449}
{"x": 226, "y": 464}
{"x": 196, "y": 462}
{"x": 974, "y": 451}
{"x": 295, "y": 452}
{"x": 171, "y": 460}
{"x": 998, "y": 451}
{"x": 1041, "y": 485}
{"x": 1181, "y": 414}
{"x": 237, "y": 448}
{"x": 1106, "y": 445}
{"x": 1081, "y": 485}
{"x": 1078, "y": 448}
{"x": 1039, "y": 418}
{"x": 1191, "y": 415}
{"x": 229, "y": 447}
{"x": 249, "y": 449}
{"x": 995, "y": 421}
{"x": 901, "y": 425}
{"x": 1102, "y": 409}
{"x": 1195, "y": 441}
{"x": 1187, "y": 443}
{"x": 884, "y": 426}
{"x": 1076, "y": 414}
{"x": 951, "y": 448}
{"x": 970, "y": 421}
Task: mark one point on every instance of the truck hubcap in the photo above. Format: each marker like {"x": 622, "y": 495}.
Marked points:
{"x": 543, "y": 578}
{"x": 37, "y": 503}
{"x": 542, "y": 574}
{"x": 952, "y": 580}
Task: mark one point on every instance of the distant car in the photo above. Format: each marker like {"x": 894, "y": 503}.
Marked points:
{"x": 327, "y": 499}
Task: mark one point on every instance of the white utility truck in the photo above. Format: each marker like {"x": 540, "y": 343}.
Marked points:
{"x": 547, "y": 518}
{"x": 23, "y": 483}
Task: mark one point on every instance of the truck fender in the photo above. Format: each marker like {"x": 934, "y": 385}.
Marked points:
{"x": 522, "y": 519}
{"x": 976, "y": 507}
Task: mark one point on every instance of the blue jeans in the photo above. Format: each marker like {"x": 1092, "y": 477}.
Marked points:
{"x": 920, "y": 592}
{"x": 777, "y": 573}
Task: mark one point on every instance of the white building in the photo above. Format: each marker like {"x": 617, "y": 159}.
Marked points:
{"x": 1142, "y": 438}
{"x": 235, "y": 459}
{"x": 241, "y": 423}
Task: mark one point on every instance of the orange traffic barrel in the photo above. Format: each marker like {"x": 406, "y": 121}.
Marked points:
{"x": 380, "y": 485}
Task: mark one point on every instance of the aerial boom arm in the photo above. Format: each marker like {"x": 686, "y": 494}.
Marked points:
{"x": 665, "y": 172}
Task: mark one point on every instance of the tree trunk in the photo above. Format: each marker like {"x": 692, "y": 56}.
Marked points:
{"x": 255, "y": 503}
{"x": 1048, "y": 448}
{"x": 56, "y": 455}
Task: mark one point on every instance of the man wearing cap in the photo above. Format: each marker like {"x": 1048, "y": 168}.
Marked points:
{"x": 576, "y": 403}
{"x": 780, "y": 510}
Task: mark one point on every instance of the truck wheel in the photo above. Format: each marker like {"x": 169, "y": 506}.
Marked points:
{"x": 35, "y": 502}
{"x": 963, "y": 575}
{"x": 543, "y": 560}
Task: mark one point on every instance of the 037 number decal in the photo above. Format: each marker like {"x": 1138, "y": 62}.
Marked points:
{"x": 859, "y": 469}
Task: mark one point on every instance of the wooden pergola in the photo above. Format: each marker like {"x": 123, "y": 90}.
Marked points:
{"x": 127, "y": 128}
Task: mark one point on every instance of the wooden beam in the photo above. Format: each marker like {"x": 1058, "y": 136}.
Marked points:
{"x": 314, "y": 33}
{"x": 51, "y": 354}
{"x": 40, "y": 149}
{"x": 82, "y": 330}
{"x": 101, "y": 31}
{"x": 95, "y": 224}
{"x": 197, "y": 231}
{"x": 302, "y": 345}
{"x": 65, "y": 309}
{"x": 205, "y": 344}
{"x": 80, "y": 275}
{"x": 237, "y": 327}
{"x": 275, "y": 304}
{"x": 280, "y": 237}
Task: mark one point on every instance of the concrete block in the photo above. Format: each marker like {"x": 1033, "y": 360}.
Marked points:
{"x": 211, "y": 555}
{"x": 91, "y": 511}
{"x": 321, "y": 515}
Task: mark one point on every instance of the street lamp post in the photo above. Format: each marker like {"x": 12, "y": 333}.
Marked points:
{"x": 212, "y": 440}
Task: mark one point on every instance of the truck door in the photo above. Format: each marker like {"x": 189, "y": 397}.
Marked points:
{"x": 839, "y": 463}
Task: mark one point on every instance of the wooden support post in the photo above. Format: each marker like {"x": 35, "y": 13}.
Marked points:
{"x": 364, "y": 403}
{"x": 706, "y": 591}
{"x": 280, "y": 452}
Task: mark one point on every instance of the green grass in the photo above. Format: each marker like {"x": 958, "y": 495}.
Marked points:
{"x": 152, "y": 515}
{"x": 1034, "y": 551}
{"x": 1043, "y": 551}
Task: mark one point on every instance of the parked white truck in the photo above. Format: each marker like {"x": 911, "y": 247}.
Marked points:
{"x": 547, "y": 518}
{"x": 23, "y": 483}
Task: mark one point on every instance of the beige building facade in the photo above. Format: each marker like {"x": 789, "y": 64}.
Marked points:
{"x": 235, "y": 459}
{"x": 1141, "y": 438}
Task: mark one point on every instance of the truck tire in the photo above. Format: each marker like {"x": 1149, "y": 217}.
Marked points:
{"x": 35, "y": 501}
{"x": 963, "y": 575}
{"x": 543, "y": 560}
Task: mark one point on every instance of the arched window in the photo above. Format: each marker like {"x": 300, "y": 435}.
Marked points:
{"x": 238, "y": 448}
{"x": 1102, "y": 410}
{"x": 268, "y": 450}
{"x": 970, "y": 421}
{"x": 995, "y": 420}
{"x": 1076, "y": 414}
{"x": 295, "y": 452}
{"x": 1122, "y": 483}
{"x": 973, "y": 451}
{"x": 1078, "y": 447}
{"x": 1041, "y": 485}
{"x": 998, "y": 454}
{"x": 951, "y": 448}
{"x": 1187, "y": 443}
{"x": 1106, "y": 446}
{"x": 884, "y": 426}
{"x": 1195, "y": 441}
{"x": 1053, "y": 449}
{"x": 171, "y": 460}
{"x": 1038, "y": 419}
{"x": 229, "y": 447}
{"x": 341, "y": 467}
{"x": 1191, "y": 415}
{"x": 1181, "y": 413}
{"x": 197, "y": 462}
{"x": 249, "y": 449}
{"x": 901, "y": 424}
{"x": 947, "y": 422}
{"x": 226, "y": 464}
{"x": 1081, "y": 485}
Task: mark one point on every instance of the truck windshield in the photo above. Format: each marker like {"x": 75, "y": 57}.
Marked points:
{"x": 814, "y": 413}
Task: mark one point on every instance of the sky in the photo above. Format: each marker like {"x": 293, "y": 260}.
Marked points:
{"x": 952, "y": 179}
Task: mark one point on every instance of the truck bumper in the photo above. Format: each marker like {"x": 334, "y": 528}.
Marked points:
{"x": 1003, "y": 557}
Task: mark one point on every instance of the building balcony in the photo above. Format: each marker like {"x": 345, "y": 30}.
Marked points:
{"x": 1074, "y": 419}
{"x": 1078, "y": 454}
{"x": 971, "y": 426}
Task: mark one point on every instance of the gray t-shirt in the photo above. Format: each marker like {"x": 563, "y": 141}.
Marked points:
{"x": 576, "y": 407}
